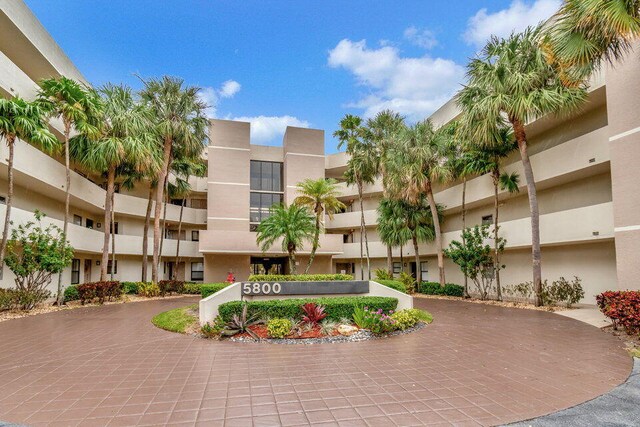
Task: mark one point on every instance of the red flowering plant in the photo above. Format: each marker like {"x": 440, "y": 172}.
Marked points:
{"x": 313, "y": 313}
{"x": 623, "y": 308}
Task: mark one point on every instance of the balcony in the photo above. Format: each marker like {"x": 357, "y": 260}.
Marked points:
{"x": 581, "y": 225}
{"x": 244, "y": 242}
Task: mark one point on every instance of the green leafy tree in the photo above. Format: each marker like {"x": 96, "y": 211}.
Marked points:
{"x": 35, "y": 253}
{"x": 124, "y": 144}
{"x": 23, "y": 120}
{"x": 511, "y": 80}
{"x": 320, "y": 196}
{"x": 292, "y": 225}
{"x": 583, "y": 33}
{"x": 392, "y": 227}
{"x": 475, "y": 257}
{"x": 362, "y": 168}
{"x": 181, "y": 130}
{"x": 80, "y": 108}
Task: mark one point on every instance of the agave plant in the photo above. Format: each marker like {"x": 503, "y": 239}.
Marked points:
{"x": 313, "y": 313}
{"x": 240, "y": 324}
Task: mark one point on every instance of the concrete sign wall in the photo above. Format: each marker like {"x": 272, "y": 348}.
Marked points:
{"x": 304, "y": 288}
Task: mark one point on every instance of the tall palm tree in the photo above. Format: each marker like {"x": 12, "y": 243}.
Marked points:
{"x": 511, "y": 80}
{"x": 23, "y": 120}
{"x": 181, "y": 127}
{"x": 416, "y": 165}
{"x": 320, "y": 196}
{"x": 292, "y": 225}
{"x": 126, "y": 142}
{"x": 584, "y": 32}
{"x": 392, "y": 227}
{"x": 79, "y": 108}
{"x": 488, "y": 159}
{"x": 362, "y": 169}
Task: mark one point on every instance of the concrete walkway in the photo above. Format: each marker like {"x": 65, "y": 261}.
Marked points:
{"x": 619, "y": 407}
{"x": 589, "y": 315}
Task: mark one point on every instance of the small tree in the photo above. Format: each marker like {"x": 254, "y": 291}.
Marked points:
{"x": 475, "y": 257}
{"x": 35, "y": 253}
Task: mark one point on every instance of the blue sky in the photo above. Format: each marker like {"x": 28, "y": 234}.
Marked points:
{"x": 303, "y": 63}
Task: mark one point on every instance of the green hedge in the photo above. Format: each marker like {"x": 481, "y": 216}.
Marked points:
{"x": 393, "y": 284}
{"x": 299, "y": 277}
{"x": 207, "y": 289}
{"x": 434, "y": 288}
{"x": 130, "y": 287}
{"x": 337, "y": 308}
{"x": 71, "y": 293}
{"x": 192, "y": 288}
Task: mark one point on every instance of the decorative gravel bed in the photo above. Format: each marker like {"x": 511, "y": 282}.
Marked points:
{"x": 361, "y": 335}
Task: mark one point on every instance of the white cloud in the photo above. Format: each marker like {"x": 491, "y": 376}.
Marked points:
{"x": 211, "y": 96}
{"x": 268, "y": 128}
{"x": 414, "y": 87}
{"x": 421, "y": 37}
{"x": 229, "y": 88}
{"x": 516, "y": 17}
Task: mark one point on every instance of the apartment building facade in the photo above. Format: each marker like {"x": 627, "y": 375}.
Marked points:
{"x": 585, "y": 167}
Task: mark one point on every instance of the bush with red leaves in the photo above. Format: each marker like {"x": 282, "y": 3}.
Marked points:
{"x": 623, "y": 308}
{"x": 171, "y": 287}
{"x": 100, "y": 291}
{"x": 313, "y": 313}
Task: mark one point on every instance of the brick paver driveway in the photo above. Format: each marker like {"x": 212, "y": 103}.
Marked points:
{"x": 475, "y": 365}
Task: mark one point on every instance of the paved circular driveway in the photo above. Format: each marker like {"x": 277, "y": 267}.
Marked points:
{"x": 475, "y": 365}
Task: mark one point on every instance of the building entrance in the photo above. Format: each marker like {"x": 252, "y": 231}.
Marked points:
{"x": 270, "y": 265}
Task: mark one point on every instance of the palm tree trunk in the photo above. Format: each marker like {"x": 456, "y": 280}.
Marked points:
{"x": 417, "y": 259}
{"x": 65, "y": 226}
{"x": 175, "y": 269}
{"x": 464, "y": 226}
{"x": 158, "y": 208}
{"x": 7, "y": 215}
{"x": 438, "y": 232}
{"x": 316, "y": 240}
{"x": 389, "y": 259}
{"x": 363, "y": 227}
{"x": 401, "y": 259}
{"x": 145, "y": 236}
{"x": 113, "y": 237}
{"x": 292, "y": 261}
{"x": 111, "y": 175}
{"x": 521, "y": 137}
{"x": 361, "y": 231}
{"x": 164, "y": 222}
{"x": 496, "y": 253}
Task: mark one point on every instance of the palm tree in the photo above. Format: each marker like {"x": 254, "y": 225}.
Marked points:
{"x": 392, "y": 227}
{"x": 293, "y": 225}
{"x": 511, "y": 80}
{"x": 487, "y": 159}
{"x": 584, "y": 32}
{"x": 319, "y": 196}
{"x": 362, "y": 169}
{"x": 125, "y": 143}
{"x": 416, "y": 164}
{"x": 23, "y": 120}
{"x": 79, "y": 108}
{"x": 181, "y": 127}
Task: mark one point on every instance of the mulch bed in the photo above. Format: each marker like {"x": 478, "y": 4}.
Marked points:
{"x": 511, "y": 304}
{"x": 630, "y": 341}
{"x": 261, "y": 332}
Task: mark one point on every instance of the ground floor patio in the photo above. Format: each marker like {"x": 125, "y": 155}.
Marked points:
{"x": 474, "y": 365}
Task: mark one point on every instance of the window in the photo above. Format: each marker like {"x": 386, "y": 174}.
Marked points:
{"x": 3, "y": 200}
{"x": 424, "y": 269}
{"x": 75, "y": 271}
{"x": 260, "y": 205}
{"x": 195, "y": 235}
{"x": 89, "y": 223}
{"x": 197, "y": 271}
{"x": 77, "y": 220}
{"x": 109, "y": 265}
{"x": 487, "y": 220}
{"x": 266, "y": 176}
{"x": 397, "y": 267}
{"x": 114, "y": 226}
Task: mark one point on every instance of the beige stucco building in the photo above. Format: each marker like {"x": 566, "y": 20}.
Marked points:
{"x": 586, "y": 168}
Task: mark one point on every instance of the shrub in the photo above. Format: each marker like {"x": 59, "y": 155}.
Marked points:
{"x": 410, "y": 317}
{"x": 623, "y": 308}
{"x": 212, "y": 330}
{"x": 377, "y": 321}
{"x": 434, "y": 288}
{"x": 170, "y": 287}
{"x": 8, "y": 299}
{"x": 71, "y": 293}
{"x": 100, "y": 291}
{"x": 383, "y": 274}
{"x": 299, "y": 277}
{"x": 148, "y": 289}
{"x": 279, "y": 328}
{"x": 567, "y": 292}
{"x": 240, "y": 323}
{"x": 313, "y": 313}
{"x": 393, "y": 284}
{"x": 130, "y": 287}
{"x": 192, "y": 288}
{"x": 337, "y": 308}
{"x": 211, "y": 288}
{"x": 408, "y": 281}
